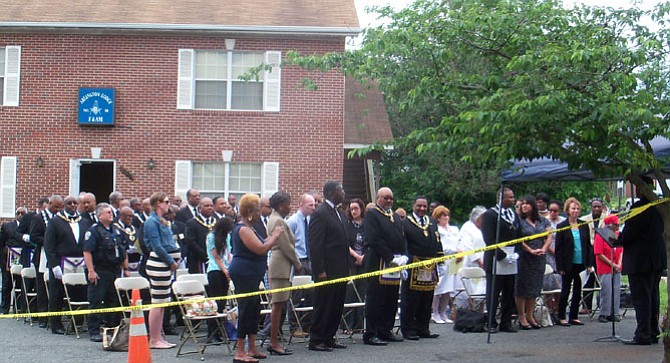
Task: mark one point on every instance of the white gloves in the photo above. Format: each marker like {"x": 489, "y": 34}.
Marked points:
{"x": 58, "y": 273}
{"x": 512, "y": 258}
{"x": 26, "y": 238}
{"x": 399, "y": 260}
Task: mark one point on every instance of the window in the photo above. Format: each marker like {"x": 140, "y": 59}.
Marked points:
{"x": 10, "y": 66}
{"x": 210, "y": 79}
{"x": 7, "y": 186}
{"x": 210, "y": 178}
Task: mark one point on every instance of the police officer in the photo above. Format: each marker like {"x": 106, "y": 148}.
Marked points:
{"x": 105, "y": 255}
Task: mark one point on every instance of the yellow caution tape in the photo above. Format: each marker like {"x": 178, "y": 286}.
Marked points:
{"x": 625, "y": 216}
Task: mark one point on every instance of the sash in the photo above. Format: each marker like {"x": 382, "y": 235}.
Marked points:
{"x": 43, "y": 261}
{"x": 13, "y": 257}
{"x": 388, "y": 278}
{"x": 423, "y": 278}
{"x": 72, "y": 264}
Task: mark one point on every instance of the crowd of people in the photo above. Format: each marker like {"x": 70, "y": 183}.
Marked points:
{"x": 258, "y": 242}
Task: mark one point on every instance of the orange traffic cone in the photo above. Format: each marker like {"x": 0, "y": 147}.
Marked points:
{"x": 138, "y": 341}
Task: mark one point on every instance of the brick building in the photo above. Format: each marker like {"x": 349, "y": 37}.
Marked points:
{"x": 166, "y": 73}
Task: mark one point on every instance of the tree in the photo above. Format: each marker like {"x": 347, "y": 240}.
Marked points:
{"x": 509, "y": 79}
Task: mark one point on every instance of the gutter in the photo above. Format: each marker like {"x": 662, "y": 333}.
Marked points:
{"x": 187, "y": 28}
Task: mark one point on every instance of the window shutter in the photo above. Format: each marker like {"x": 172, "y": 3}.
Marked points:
{"x": 272, "y": 82}
{"x": 74, "y": 176}
{"x": 270, "y": 179}
{"x": 185, "y": 79}
{"x": 7, "y": 186}
{"x": 182, "y": 177}
{"x": 12, "y": 77}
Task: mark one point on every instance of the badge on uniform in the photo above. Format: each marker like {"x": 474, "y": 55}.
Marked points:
{"x": 87, "y": 235}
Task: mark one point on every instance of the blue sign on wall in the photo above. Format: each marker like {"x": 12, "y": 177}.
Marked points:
{"x": 96, "y": 106}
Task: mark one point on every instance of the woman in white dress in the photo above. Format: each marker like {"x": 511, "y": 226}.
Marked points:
{"x": 471, "y": 238}
{"x": 447, "y": 285}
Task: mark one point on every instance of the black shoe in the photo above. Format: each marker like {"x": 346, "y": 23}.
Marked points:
{"x": 603, "y": 319}
{"x": 428, "y": 335}
{"x": 336, "y": 345}
{"x": 169, "y": 331}
{"x": 60, "y": 331}
{"x": 216, "y": 338}
{"x": 320, "y": 347}
{"x": 284, "y": 351}
{"x": 634, "y": 341}
{"x": 575, "y": 322}
{"x": 43, "y": 324}
{"x": 96, "y": 338}
{"x": 374, "y": 341}
{"x": 507, "y": 329}
{"x": 392, "y": 338}
{"x": 493, "y": 330}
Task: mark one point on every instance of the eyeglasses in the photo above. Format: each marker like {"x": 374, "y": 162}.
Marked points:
{"x": 166, "y": 201}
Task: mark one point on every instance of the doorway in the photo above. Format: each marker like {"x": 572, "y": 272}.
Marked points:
{"x": 94, "y": 176}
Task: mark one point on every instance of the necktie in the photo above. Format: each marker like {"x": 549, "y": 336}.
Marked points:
{"x": 423, "y": 223}
{"x": 195, "y": 212}
{"x": 306, "y": 235}
{"x": 265, "y": 221}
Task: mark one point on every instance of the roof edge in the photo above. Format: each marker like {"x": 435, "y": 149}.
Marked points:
{"x": 239, "y": 29}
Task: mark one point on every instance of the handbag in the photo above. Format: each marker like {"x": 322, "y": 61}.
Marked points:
{"x": 116, "y": 339}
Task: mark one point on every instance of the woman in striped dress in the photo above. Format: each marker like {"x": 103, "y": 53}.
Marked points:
{"x": 161, "y": 265}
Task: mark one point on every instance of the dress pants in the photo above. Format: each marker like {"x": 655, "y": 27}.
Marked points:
{"x": 415, "y": 310}
{"x": 606, "y": 294}
{"x": 328, "y": 306}
{"x": 102, "y": 294}
{"x": 56, "y": 295}
{"x": 503, "y": 294}
{"x": 218, "y": 286}
{"x": 7, "y": 290}
{"x": 645, "y": 295}
{"x": 571, "y": 280}
{"x": 381, "y": 305}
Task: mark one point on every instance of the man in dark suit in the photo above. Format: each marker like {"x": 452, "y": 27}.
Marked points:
{"x": 191, "y": 210}
{"x": 23, "y": 231}
{"x": 61, "y": 239}
{"x": 385, "y": 240}
{"x": 509, "y": 229}
{"x": 196, "y": 237}
{"x": 261, "y": 225}
{"x": 38, "y": 227}
{"x": 9, "y": 238}
{"x": 87, "y": 206}
{"x": 329, "y": 254}
{"x": 644, "y": 259}
{"x": 423, "y": 243}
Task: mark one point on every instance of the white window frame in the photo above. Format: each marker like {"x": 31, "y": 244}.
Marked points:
{"x": 270, "y": 79}
{"x": 184, "y": 179}
{"x": 8, "y": 172}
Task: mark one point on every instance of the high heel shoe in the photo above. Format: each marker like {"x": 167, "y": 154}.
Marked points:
{"x": 273, "y": 351}
{"x": 535, "y": 326}
{"x": 525, "y": 327}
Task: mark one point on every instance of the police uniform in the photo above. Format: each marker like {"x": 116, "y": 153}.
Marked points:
{"x": 108, "y": 254}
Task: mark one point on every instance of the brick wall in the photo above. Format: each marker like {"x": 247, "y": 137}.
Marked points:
{"x": 306, "y": 137}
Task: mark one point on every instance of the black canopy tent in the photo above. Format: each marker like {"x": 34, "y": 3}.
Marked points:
{"x": 546, "y": 169}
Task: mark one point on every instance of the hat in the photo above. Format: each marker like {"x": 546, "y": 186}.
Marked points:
{"x": 612, "y": 219}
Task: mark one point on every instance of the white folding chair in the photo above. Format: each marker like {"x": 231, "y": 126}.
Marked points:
{"x": 29, "y": 297}
{"x": 124, "y": 288}
{"x": 17, "y": 292}
{"x": 547, "y": 295}
{"x": 588, "y": 293}
{"x": 350, "y": 307}
{"x": 202, "y": 278}
{"x": 474, "y": 284}
{"x": 184, "y": 291}
{"x": 299, "y": 280}
{"x": 71, "y": 280}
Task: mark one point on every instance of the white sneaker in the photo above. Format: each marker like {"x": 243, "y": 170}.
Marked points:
{"x": 436, "y": 319}
{"x": 447, "y": 320}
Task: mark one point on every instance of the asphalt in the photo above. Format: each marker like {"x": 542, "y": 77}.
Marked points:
{"x": 20, "y": 342}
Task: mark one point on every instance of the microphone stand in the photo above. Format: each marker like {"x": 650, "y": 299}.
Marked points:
{"x": 613, "y": 337}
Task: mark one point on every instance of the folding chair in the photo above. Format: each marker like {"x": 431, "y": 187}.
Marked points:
{"x": 184, "y": 291}
{"x": 474, "y": 284}
{"x": 71, "y": 280}
{"x": 299, "y": 280}
{"x": 202, "y": 278}
{"x": 28, "y": 273}
{"x": 590, "y": 292}
{"x": 124, "y": 288}
{"x": 350, "y": 307}
{"x": 17, "y": 292}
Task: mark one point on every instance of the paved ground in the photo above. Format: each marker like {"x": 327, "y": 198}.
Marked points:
{"x": 23, "y": 343}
